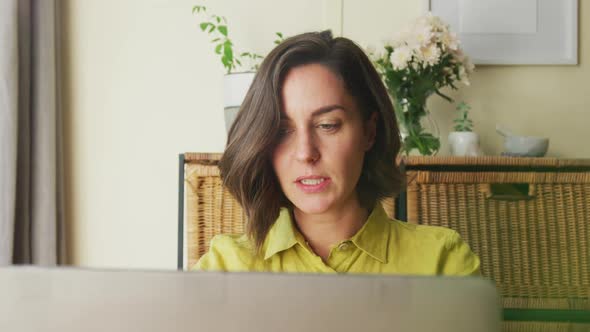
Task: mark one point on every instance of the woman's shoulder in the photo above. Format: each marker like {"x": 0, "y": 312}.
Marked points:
{"x": 445, "y": 245}
{"x": 233, "y": 241}
{"x": 227, "y": 252}
{"x": 423, "y": 232}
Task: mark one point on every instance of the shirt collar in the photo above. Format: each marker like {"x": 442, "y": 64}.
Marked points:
{"x": 282, "y": 235}
{"x": 372, "y": 238}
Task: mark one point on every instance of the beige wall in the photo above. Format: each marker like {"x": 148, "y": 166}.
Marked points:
{"x": 141, "y": 84}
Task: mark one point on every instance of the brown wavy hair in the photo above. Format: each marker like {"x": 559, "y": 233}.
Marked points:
{"x": 246, "y": 166}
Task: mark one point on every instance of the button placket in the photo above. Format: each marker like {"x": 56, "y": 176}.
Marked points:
{"x": 344, "y": 246}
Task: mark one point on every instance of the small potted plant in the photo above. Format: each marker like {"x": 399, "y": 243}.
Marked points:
{"x": 235, "y": 83}
{"x": 463, "y": 141}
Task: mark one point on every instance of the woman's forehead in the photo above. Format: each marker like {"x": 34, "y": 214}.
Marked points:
{"x": 314, "y": 90}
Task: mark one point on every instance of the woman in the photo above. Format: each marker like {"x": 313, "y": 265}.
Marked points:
{"x": 309, "y": 157}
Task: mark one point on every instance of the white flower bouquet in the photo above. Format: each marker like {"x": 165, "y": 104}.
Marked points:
{"x": 420, "y": 61}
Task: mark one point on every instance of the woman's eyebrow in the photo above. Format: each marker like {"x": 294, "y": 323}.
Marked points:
{"x": 318, "y": 112}
{"x": 326, "y": 109}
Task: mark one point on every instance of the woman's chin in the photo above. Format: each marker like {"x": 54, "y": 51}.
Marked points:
{"x": 316, "y": 206}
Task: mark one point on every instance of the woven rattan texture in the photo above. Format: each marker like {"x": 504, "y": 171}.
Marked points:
{"x": 496, "y": 161}
{"x": 209, "y": 210}
{"x": 536, "y": 248}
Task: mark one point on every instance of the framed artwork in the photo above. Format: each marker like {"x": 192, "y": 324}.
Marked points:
{"x": 510, "y": 32}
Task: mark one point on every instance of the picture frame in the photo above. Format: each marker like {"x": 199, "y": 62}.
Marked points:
{"x": 506, "y": 32}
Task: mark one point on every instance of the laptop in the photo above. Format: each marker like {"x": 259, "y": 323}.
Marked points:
{"x": 73, "y": 299}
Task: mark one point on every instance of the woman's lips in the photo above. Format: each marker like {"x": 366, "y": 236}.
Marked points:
{"x": 312, "y": 184}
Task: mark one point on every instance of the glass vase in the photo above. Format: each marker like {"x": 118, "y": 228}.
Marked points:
{"x": 419, "y": 132}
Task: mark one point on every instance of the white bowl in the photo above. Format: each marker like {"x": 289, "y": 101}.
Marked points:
{"x": 526, "y": 146}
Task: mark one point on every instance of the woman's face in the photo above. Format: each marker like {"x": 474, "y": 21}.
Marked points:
{"x": 319, "y": 157}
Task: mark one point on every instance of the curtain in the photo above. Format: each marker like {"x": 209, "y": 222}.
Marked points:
{"x": 32, "y": 229}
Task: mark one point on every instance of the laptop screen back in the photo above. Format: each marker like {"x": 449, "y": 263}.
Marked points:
{"x": 67, "y": 299}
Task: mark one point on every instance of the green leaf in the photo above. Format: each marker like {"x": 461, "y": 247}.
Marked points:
{"x": 463, "y": 106}
{"x": 238, "y": 62}
{"x": 226, "y": 63}
{"x": 216, "y": 40}
{"x": 198, "y": 9}
{"x": 211, "y": 28}
{"x": 204, "y": 25}
{"x": 410, "y": 143}
{"x": 222, "y": 29}
{"x": 218, "y": 19}
{"x": 228, "y": 53}
{"x": 279, "y": 34}
{"x": 218, "y": 48}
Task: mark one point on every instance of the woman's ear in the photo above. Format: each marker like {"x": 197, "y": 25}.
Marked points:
{"x": 371, "y": 130}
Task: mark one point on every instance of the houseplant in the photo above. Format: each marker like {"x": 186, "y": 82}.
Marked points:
{"x": 463, "y": 141}
{"x": 421, "y": 60}
{"x": 236, "y": 82}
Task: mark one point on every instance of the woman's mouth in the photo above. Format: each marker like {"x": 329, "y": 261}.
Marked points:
{"x": 314, "y": 184}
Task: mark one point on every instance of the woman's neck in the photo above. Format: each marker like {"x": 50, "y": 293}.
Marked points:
{"x": 322, "y": 231}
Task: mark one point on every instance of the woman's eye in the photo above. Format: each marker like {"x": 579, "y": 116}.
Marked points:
{"x": 284, "y": 132}
{"x": 328, "y": 126}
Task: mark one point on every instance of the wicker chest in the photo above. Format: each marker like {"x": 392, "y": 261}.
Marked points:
{"x": 527, "y": 218}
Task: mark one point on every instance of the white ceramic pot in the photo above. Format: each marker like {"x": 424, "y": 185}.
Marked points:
{"x": 235, "y": 87}
{"x": 464, "y": 143}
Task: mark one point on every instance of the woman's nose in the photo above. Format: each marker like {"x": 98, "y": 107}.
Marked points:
{"x": 306, "y": 150}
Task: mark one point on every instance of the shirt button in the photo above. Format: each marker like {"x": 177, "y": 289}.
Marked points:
{"x": 344, "y": 246}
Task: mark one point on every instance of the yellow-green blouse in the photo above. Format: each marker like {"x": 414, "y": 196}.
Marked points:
{"x": 381, "y": 246}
